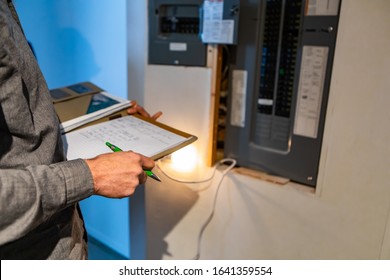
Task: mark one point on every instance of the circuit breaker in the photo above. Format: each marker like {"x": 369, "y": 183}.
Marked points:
{"x": 174, "y": 33}
{"x": 280, "y": 78}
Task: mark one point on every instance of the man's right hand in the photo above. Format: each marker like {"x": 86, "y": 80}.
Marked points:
{"x": 117, "y": 175}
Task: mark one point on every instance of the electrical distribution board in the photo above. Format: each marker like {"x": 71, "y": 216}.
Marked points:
{"x": 174, "y": 27}
{"x": 179, "y": 30}
{"x": 280, "y": 78}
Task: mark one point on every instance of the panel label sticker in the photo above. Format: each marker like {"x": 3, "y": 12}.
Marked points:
{"x": 215, "y": 29}
{"x": 178, "y": 47}
{"x": 322, "y": 7}
{"x": 310, "y": 89}
{"x": 237, "y": 117}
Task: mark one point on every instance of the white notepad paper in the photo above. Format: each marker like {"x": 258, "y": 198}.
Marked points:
{"x": 129, "y": 133}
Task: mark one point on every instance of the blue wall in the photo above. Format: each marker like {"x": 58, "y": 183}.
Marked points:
{"x": 77, "y": 41}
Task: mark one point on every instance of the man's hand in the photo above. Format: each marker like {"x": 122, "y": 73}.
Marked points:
{"x": 117, "y": 175}
{"x": 135, "y": 108}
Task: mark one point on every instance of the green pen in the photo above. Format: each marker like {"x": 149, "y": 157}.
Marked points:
{"x": 148, "y": 172}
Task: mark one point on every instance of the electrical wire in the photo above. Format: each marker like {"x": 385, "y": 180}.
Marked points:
{"x": 186, "y": 181}
{"x": 211, "y": 215}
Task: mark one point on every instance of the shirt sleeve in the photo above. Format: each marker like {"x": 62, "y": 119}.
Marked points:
{"x": 36, "y": 181}
{"x": 32, "y": 195}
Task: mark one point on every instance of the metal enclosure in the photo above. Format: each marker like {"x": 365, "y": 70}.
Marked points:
{"x": 280, "y": 77}
{"x": 174, "y": 27}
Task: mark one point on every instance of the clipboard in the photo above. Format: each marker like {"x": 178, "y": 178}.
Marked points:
{"x": 131, "y": 132}
{"x": 87, "y": 124}
{"x": 189, "y": 137}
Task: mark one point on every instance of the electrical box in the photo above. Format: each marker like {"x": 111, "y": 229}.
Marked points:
{"x": 280, "y": 77}
{"x": 174, "y": 33}
{"x": 180, "y": 29}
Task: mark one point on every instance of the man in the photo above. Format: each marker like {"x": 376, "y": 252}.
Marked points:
{"x": 39, "y": 189}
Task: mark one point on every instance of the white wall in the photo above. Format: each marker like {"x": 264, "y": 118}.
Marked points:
{"x": 347, "y": 217}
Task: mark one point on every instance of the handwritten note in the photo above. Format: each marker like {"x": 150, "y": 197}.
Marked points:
{"x": 128, "y": 133}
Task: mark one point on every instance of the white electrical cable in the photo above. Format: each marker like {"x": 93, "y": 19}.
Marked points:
{"x": 186, "y": 181}
{"x": 211, "y": 215}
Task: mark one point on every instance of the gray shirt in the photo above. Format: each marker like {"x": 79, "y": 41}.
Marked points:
{"x": 39, "y": 190}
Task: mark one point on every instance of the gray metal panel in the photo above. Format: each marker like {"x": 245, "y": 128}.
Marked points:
{"x": 231, "y": 10}
{"x": 259, "y": 144}
{"x": 175, "y": 47}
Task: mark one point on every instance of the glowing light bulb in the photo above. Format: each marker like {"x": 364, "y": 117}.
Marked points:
{"x": 184, "y": 160}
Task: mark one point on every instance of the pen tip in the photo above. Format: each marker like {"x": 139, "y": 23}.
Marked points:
{"x": 156, "y": 177}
